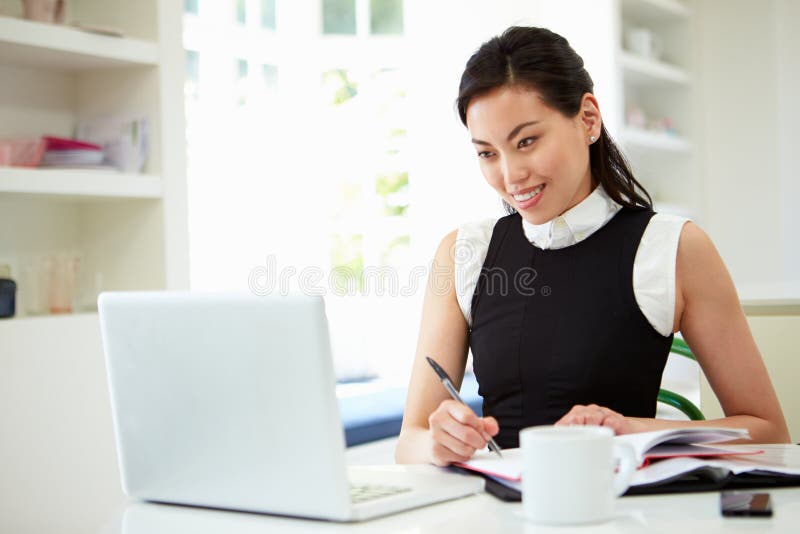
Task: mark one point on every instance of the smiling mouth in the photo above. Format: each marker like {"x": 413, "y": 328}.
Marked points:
{"x": 522, "y": 197}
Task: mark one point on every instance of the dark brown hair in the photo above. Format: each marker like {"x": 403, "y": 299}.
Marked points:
{"x": 538, "y": 59}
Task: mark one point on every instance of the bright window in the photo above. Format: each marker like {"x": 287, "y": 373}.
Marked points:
{"x": 339, "y": 17}
{"x": 191, "y": 6}
{"x": 268, "y": 14}
{"x": 324, "y": 155}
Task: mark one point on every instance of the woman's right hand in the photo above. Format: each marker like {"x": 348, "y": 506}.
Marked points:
{"x": 457, "y": 432}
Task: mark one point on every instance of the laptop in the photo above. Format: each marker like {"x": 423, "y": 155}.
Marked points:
{"x": 229, "y": 401}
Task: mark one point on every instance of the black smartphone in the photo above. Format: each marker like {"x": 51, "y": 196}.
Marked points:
{"x": 745, "y": 504}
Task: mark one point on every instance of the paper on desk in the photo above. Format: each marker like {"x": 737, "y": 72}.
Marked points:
{"x": 698, "y": 451}
{"x": 656, "y": 444}
{"x": 508, "y": 470}
{"x": 665, "y": 470}
{"x": 783, "y": 459}
{"x": 509, "y": 467}
{"x": 776, "y": 459}
{"x": 683, "y": 441}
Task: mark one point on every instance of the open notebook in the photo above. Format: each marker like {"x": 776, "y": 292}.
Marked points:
{"x": 647, "y": 446}
{"x": 681, "y": 461}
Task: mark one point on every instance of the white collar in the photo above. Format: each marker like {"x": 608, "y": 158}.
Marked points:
{"x": 575, "y": 224}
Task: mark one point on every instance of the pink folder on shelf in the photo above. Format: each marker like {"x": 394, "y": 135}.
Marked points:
{"x": 61, "y": 143}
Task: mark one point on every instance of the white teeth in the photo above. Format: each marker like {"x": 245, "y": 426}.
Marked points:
{"x": 529, "y": 195}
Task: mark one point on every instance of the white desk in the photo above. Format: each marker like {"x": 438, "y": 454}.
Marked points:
{"x": 483, "y": 514}
{"x": 690, "y": 513}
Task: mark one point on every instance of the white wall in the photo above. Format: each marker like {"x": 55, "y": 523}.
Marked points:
{"x": 591, "y": 29}
{"x": 788, "y": 55}
{"x": 749, "y": 71}
{"x": 447, "y": 188}
{"x": 777, "y": 337}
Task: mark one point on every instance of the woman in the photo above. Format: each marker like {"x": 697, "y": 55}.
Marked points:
{"x": 570, "y": 302}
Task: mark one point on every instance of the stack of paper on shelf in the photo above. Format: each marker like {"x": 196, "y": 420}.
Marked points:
{"x": 61, "y": 152}
{"x": 125, "y": 139}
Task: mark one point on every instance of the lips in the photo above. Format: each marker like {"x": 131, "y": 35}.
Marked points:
{"x": 522, "y": 196}
{"x": 527, "y": 198}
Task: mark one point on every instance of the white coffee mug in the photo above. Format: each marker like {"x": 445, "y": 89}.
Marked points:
{"x": 568, "y": 473}
{"x": 643, "y": 42}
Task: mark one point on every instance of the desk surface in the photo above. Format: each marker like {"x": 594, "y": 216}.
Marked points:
{"x": 698, "y": 512}
{"x": 693, "y": 512}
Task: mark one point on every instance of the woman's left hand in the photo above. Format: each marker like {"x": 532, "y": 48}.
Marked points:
{"x": 601, "y": 416}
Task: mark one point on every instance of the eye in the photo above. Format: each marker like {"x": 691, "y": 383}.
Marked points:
{"x": 526, "y": 142}
{"x": 485, "y": 154}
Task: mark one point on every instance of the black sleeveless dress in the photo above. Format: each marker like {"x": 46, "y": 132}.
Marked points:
{"x": 556, "y": 328}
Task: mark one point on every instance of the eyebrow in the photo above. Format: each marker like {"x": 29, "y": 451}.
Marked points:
{"x": 511, "y": 135}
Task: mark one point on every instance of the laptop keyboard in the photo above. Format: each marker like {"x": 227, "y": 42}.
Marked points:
{"x": 359, "y": 494}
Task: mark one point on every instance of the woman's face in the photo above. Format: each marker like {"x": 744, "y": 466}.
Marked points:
{"x": 533, "y": 156}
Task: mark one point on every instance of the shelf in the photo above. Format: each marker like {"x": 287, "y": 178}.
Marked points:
{"x": 638, "y": 138}
{"x": 78, "y": 184}
{"x": 649, "y": 11}
{"x": 643, "y": 71}
{"x": 27, "y": 43}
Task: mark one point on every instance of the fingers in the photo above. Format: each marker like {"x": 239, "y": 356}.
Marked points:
{"x": 486, "y": 426}
{"x": 448, "y": 449}
{"x": 463, "y": 414}
{"x": 456, "y": 432}
{"x": 617, "y": 423}
{"x": 490, "y": 427}
{"x": 585, "y": 415}
{"x": 460, "y": 422}
{"x": 595, "y": 415}
{"x": 443, "y": 456}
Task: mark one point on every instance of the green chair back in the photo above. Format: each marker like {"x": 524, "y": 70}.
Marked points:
{"x": 680, "y": 402}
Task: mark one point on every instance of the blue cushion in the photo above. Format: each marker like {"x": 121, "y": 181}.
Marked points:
{"x": 378, "y": 412}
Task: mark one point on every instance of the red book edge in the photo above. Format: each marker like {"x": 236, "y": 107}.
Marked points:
{"x": 62, "y": 143}
{"x": 710, "y": 454}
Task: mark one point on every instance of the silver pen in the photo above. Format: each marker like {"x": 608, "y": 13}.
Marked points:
{"x": 448, "y": 384}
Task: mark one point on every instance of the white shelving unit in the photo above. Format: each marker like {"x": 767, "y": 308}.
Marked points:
{"x": 54, "y": 47}
{"x": 655, "y": 11}
{"x": 644, "y": 71}
{"x": 659, "y": 141}
{"x": 659, "y": 134}
{"x": 129, "y": 229}
{"x": 73, "y": 184}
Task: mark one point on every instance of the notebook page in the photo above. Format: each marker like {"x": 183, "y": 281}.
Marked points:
{"x": 775, "y": 458}
{"x": 509, "y": 467}
{"x": 783, "y": 459}
{"x": 666, "y": 470}
{"x": 644, "y": 442}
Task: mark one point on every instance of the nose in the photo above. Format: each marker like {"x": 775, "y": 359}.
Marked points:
{"x": 515, "y": 169}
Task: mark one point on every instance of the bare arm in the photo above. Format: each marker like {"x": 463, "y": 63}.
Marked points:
{"x": 435, "y": 428}
{"x": 713, "y": 324}
{"x": 710, "y": 317}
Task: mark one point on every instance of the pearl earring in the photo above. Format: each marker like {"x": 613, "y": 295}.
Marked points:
{"x": 592, "y": 139}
